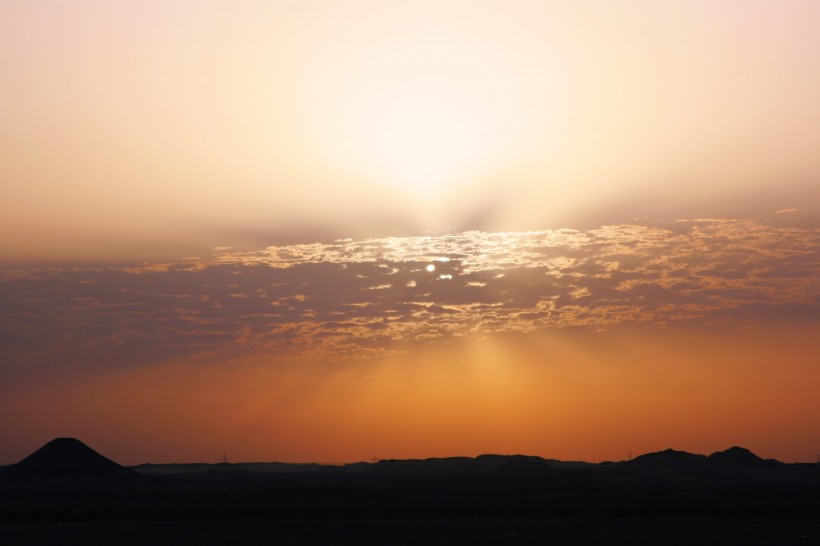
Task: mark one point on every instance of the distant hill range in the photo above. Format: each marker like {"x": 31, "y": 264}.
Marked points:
{"x": 69, "y": 463}
{"x": 67, "y": 480}
{"x": 482, "y": 463}
{"x": 734, "y": 458}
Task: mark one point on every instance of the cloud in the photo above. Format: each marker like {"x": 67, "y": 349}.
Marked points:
{"x": 364, "y": 298}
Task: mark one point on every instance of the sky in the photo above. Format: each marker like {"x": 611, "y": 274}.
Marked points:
{"x": 337, "y": 231}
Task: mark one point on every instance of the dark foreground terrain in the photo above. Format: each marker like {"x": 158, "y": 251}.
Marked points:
{"x": 411, "y": 531}
{"x": 65, "y": 493}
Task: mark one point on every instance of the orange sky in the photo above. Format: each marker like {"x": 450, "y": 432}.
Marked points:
{"x": 581, "y": 396}
{"x": 216, "y": 222}
{"x": 569, "y": 344}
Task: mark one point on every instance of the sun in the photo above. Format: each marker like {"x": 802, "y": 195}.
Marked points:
{"x": 424, "y": 117}
{"x": 425, "y": 136}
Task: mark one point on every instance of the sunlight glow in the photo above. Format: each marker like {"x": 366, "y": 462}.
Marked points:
{"x": 426, "y": 135}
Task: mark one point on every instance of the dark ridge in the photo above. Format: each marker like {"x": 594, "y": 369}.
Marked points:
{"x": 66, "y": 481}
{"x": 66, "y": 455}
{"x": 67, "y": 463}
{"x": 739, "y": 457}
{"x": 668, "y": 459}
{"x": 485, "y": 463}
{"x": 435, "y": 465}
{"x": 455, "y": 465}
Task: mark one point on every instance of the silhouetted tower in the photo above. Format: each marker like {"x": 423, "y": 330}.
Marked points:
{"x": 224, "y": 458}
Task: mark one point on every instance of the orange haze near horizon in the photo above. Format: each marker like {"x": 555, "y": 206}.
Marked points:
{"x": 589, "y": 396}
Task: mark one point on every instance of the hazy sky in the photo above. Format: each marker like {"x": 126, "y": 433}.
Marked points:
{"x": 332, "y": 230}
{"x": 156, "y": 128}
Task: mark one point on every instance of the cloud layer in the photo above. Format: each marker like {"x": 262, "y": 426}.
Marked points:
{"x": 363, "y": 298}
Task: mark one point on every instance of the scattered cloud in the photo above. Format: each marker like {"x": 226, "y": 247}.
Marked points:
{"x": 362, "y": 298}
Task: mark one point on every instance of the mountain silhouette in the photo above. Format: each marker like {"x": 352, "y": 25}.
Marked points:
{"x": 66, "y": 480}
{"x": 668, "y": 459}
{"x": 482, "y": 463}
{"x": 734, "y": 461}
{"x": 67, "y": 463}
{"x": 487, "y": 462}
{"x": 739, "y": 458}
